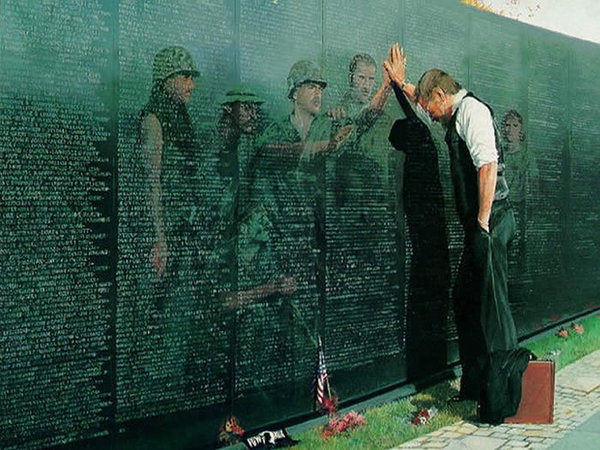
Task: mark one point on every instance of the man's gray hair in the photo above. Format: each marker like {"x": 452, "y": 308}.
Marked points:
{"x": 436, "y": 78}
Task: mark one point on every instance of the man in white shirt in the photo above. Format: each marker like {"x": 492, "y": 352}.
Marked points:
{"x": 486, "y": 330}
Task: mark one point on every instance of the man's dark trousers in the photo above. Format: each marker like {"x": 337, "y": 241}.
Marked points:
{"x": 483, "y": 318}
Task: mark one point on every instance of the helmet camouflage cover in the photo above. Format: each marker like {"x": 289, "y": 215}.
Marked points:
{"x": 304, "y": 71}
{"x": 173, "y": 60}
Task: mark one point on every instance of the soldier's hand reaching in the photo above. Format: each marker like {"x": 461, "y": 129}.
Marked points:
{"x": 285, "y": 285}
{"x": 386, "y": 80}
{"x": 337, "y": 113}
{"x": 340, "y": 137}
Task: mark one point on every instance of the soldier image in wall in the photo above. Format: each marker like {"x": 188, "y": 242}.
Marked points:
{"x": 230, "y": 143}
{"x": 237, "y": 236}
{"x": 283, "y": 195}
{"x": 245, "y": 229}
{"x": 354, "y": 173}
{"x": 169, "y": 147}
{"x": 522, "y": 176}
{"x": 363, "y": 218}
{"x": 240, "y": 123}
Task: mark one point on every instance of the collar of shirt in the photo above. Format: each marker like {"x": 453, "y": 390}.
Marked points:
{"x": 458, "y": 97}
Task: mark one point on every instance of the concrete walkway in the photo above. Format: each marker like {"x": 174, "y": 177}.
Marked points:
{"x": 576, "y": 419}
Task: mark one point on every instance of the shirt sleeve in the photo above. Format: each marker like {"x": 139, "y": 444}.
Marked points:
{"x": 475, "y": 126}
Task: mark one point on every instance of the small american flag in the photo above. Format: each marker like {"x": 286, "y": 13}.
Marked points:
{"x": 322, "y": 381}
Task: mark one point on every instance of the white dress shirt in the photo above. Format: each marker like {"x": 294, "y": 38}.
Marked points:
{"x": 474, "y": 125}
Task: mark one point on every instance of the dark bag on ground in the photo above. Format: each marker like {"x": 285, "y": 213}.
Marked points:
{"x": 501, "y": 390}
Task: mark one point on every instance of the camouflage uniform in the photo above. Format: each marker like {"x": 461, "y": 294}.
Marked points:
{"x": 285, "y": 183}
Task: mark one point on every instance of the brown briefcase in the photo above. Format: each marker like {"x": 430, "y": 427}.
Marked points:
{"x": 537, "y": 394}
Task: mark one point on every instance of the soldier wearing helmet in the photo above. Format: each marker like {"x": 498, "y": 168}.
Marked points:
{"x": 286, "y": 181}
{"x": 166, "y": 138}
{"x": 305, "y": 89}
{"x": 168, "y": 146}
{"x": 290, "y": 152}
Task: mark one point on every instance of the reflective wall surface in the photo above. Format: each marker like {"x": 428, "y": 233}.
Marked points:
{"x": 194, "y": 193}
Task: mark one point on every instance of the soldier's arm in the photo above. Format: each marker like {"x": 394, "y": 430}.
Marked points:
{"x": 284, "y": 285}
{"x": 380, "y": 98}
{"x": 152, "y": 146}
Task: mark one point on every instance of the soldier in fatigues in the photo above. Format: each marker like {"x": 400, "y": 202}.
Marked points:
{"x": 522, "y": 178}
{"x": 168, "y": 144}
{"x": 363, "y": 218}
{"x": 286, "y": 183}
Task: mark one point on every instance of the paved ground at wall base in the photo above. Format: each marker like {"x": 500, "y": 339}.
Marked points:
{"x": 576, "y": 419}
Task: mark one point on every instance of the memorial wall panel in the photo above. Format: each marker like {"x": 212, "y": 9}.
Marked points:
{"x": 55, "y": 276}
{"x": 175, "y": 241}
{"x": 584, "y": 185}
{"x": 172, "y": 344}
{"x": 547, "y": 142}
{"x": 277, "y": 252}
{"x": 363, "y": 309}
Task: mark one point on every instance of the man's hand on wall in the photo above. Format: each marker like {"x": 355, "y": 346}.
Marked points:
{"x": 395, "y": 65}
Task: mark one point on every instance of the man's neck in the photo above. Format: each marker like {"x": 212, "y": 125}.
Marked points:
{"x": 302, "y": 121}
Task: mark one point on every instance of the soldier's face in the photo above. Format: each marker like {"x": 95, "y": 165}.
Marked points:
{"x": 512, "y": 129}
{"x": 308, "y": 98}
{"x": 362, "y": 82}
{"x": 180, "y": 87}
{"x": 248, "y": 112}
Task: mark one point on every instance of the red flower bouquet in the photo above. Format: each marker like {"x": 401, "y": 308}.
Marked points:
{"x": 338, "y": 425}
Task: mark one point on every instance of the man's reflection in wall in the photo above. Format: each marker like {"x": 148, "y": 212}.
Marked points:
{"x": 429, "y": 279}
{"x": 522, "y": 177}
{"x": 167, "y": 142}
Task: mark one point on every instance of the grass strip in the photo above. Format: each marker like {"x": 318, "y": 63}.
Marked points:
{"x": 388, "y": 425}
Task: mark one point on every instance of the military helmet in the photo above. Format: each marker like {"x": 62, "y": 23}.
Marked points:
{"x": 173, "y": 60}
{"x": 304, "y": 71}
{"x": 241, "y": 93}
